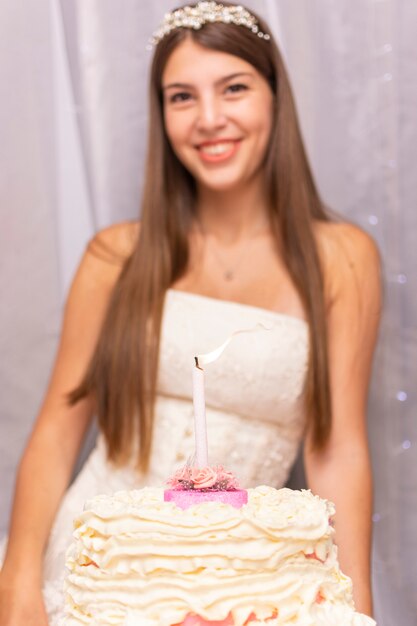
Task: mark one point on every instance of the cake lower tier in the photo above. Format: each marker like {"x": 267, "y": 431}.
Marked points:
{"x": 139, "y": 561}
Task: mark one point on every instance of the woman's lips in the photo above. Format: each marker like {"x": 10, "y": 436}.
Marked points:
{"x": 219, "y": 151}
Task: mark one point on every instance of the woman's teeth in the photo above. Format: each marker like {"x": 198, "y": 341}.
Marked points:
{"x": 217, "y": 148}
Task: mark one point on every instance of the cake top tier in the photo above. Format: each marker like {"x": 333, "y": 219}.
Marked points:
{"x": 287, "y": 513}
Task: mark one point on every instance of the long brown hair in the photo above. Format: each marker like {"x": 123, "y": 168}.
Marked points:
{"x": 123, "y": 370}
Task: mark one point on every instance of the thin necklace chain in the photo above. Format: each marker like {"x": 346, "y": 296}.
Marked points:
{"x": 229, "y": 271}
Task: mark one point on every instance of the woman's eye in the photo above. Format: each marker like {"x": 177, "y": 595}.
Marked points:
{"x": 181, "y": 96}
{"x": 236, "y": 88}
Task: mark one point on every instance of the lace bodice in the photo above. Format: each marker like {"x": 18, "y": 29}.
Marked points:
{"x": 254, "y": 402}
{"x": 253, "y": 392}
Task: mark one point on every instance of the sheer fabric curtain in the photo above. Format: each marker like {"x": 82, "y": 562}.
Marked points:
{"x": 351, "y": 65}
{"x": 73, "y": 124}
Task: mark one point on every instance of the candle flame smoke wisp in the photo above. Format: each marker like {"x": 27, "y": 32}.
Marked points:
{"x": 210, "y": 357}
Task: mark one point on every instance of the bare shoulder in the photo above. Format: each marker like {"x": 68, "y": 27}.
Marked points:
{"x": 105, "y": 257}
{"x": 348, "y": 254}
{"x": 115, "y": 243}
{"x": 355, "y": 244}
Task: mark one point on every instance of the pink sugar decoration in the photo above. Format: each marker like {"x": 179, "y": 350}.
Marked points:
{"x": 185, "y": 499}
{"x": 213, "y": 478}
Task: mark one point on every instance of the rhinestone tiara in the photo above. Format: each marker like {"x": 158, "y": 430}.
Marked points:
{"x": 206, "y": 13}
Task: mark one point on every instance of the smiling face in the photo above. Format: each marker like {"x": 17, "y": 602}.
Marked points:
{"x": 218, "y": 115}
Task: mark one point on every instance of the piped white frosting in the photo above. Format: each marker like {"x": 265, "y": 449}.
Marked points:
{"x": 139, "y": 560}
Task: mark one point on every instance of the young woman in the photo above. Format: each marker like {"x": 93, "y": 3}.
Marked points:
{"x": 233, "y": 233}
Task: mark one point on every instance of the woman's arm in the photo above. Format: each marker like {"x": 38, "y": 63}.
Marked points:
{"x": 341, "y": 472}
{"x": 47, "y": 464}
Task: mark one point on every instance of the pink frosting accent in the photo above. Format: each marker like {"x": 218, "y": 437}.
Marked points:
{"x": 185, "y": 499}
{"x": 194, "y": 620}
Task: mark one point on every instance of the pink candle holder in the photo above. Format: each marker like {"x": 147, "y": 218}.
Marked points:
{"x": 185, "y": 499}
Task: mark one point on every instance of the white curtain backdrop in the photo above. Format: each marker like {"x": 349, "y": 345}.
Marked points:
{"x": 73, "y": 81}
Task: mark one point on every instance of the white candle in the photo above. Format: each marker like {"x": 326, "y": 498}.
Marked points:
{"x": 200, "y": 426}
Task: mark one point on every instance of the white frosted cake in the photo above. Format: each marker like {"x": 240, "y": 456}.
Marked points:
{"x": 139, "y": 561}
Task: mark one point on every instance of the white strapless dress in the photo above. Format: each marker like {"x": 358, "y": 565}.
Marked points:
{"x": 254, "y": 402}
